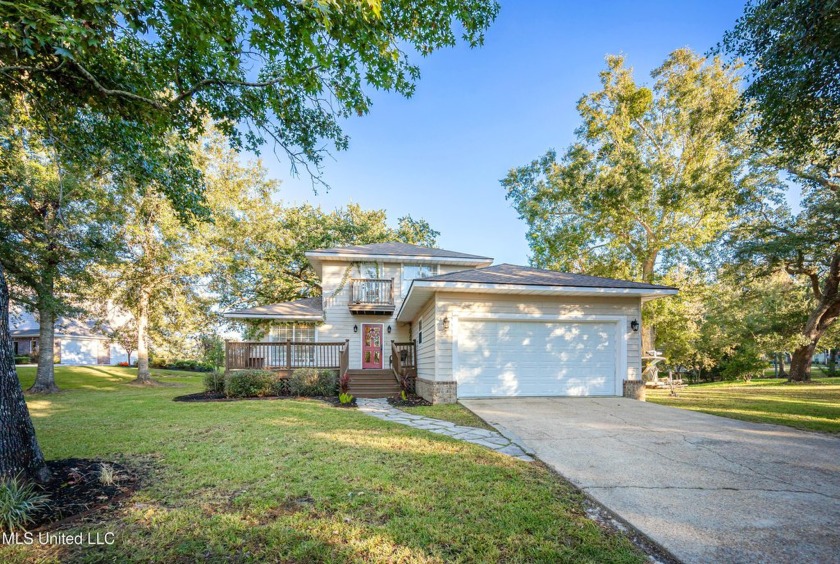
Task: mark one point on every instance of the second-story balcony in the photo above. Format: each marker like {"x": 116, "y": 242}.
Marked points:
{"x": 372, "y": 296}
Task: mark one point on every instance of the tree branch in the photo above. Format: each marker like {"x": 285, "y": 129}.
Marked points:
{"x": 114, "y": 92}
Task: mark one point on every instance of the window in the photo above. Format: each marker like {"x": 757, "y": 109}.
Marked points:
{"x": 413, "y": 271}
{"x": 16, "y": 348}
{"x": 302, "y": 355}
{"x": 420, "y": 332}
{"x": 368, "y": 270}
{"x": 304, "y": 333}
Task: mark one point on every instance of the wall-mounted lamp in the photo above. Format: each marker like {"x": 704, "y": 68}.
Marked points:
{"x": 355, "y": 328}
{"x": 634, "y": 325}
{"x": 389, "y": 329}
{"x": 445, "y": 323}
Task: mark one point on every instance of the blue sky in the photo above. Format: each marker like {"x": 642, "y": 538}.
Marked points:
{"x": 479, "y": 112}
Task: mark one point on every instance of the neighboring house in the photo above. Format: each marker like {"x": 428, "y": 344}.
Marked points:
{"x": 475, "y": 330}
{"x": 76, "y": 342}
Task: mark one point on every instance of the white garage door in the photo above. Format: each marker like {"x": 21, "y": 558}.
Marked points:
{"x": 528, "y": 358}
{"x": 79, "y": 351}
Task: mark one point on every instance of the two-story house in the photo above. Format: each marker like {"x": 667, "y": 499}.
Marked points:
{"x": 463, "y": 327}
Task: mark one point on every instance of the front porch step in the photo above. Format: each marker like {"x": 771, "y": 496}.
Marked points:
{"x": 373, "y": 383}
{"x": 377, "y": 372}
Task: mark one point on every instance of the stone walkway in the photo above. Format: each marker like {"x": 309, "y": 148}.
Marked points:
{"x": 381, "y": 409}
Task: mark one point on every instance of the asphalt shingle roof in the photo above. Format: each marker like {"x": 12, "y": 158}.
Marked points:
{"x": 398, "y": 249}
{"x": 303, "y": 307}
{"x": 524, "y": 275}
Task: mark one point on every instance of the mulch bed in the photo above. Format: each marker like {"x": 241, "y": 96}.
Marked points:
{"x": 410, "y": 401}
{"x": 74, "y": 489}
{"x": 218, "y": 396}
{"x": 334, "y": 401}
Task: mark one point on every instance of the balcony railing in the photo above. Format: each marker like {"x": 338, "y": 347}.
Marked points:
{"x": 372, "y": 295}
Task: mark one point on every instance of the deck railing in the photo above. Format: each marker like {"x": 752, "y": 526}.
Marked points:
{"x": 404, "y": 364}
{"x": 285, "y": 355}
{"x": 374, "y": 291}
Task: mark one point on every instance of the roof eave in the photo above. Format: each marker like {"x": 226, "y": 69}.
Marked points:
{"x": 467, "y": 261}
{"x": 418, "y": 286}
{"x": 276, "y": 316}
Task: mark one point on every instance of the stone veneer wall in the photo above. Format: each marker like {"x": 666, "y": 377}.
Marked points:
{"x": 437, "y": 392}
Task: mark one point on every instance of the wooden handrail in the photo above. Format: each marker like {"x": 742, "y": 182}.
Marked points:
{"x": 284, "y": 355}
{"x": 344, "y": 360}
{"x": 404, "y": 371}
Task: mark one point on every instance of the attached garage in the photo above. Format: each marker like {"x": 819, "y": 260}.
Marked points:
{"x": 515, "y": 331}
{"x": 517, "y": 357}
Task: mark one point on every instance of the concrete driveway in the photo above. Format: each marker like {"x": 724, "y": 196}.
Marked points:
{"x": 706, "y": 488}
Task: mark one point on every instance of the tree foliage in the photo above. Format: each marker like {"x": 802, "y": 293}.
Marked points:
{"x": 806, "y": 245}
{"x": 655, "y": 174}
{"x": 792, "y": 49}
{"x": 262, "y": 70}
{"x": 57, "y": 220}
{"x": 262, "y": 258}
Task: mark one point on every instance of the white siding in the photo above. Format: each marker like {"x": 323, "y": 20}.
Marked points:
{"x": 426, "y": 349}
{"x": 458, "y": 305}
{"x": 338, "y": 324}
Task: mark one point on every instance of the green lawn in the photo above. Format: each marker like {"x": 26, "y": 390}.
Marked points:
{"x": 813, "y": 406}
{"x": 455, "y": 413}
{"x": 293, "y": 480}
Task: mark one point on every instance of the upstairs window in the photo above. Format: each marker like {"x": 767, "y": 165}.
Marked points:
{"x": 414, "y": 271}
{"x": 369, "y": 270}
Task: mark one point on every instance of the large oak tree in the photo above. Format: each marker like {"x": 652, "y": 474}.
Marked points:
{"x": 792, "y": 50}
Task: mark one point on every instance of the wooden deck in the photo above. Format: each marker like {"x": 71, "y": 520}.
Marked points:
{"x": 286, "y": 356}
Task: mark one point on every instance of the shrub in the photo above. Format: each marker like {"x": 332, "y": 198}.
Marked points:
{"x": 344, "y": 384}
{"x": 328, "y": 382}
{"x": 345, "y": 398}
{"x": 189, "y": 364}
{"x": 214, "y": 382}
{"x": 304, "y": 382}
{"x": 123, "y": 364}
{"x": 249, "y": 384}
{"x": 311, "y": 382}
{"x": 23, "y": 359}
{"x": 19, "y": 502}
{"x": 280, "y": 387}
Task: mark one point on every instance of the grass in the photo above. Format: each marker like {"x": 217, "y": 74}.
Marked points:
{"x": 456, "y": 413}
{"x": 299, "y": 480}
{"x": 814, "y": 406}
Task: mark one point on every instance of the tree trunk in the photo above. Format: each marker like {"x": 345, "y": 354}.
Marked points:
{"x": 648, "y": 329}
{"x": 143, "y": 374}
{"x": 826, "y": 313}
{"x": 45, "y": 376}
{"x": 800, "y": 362}
{"x": 782, "y": 373}
{"x": 20, "y": 454}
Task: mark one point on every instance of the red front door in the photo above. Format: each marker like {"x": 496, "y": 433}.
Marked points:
{"x": 371, "y": 346}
